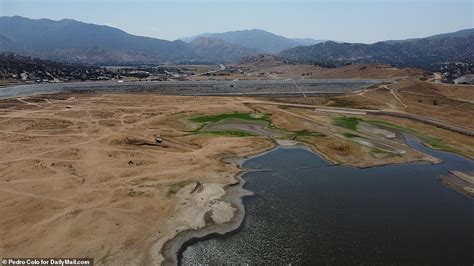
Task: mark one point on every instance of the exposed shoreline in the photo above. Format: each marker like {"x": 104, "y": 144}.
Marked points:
{"x": 234, "y": 194}
{"x": 459, "y": 181}
{"x": 173, "y": 248}
{"x": 208, "y": 233}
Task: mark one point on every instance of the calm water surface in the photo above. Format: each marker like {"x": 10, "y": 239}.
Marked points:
{"x": 308, "y": 212}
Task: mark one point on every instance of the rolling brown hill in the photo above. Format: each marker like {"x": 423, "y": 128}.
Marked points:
{"x": 277, "y": 67}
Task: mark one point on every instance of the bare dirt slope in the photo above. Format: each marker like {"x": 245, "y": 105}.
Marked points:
{"x": 450, "y": 103}
{"x": 274, "y": 67}
{"x": 88, "y": 181}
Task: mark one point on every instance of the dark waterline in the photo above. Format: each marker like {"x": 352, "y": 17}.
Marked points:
{"x": 308, "y": 212}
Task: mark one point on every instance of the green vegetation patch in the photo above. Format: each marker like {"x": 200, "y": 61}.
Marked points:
{"x": 391, "y": 125}
{"x": 385, "y": 153}
{"x": 348, "y": 122}
{"x": 305, "y": 133}
{"x": 434, "y": 142}
{"x": 210, "y": 119}
{"x": 438, "y": 143}
{"x": 220, "y": 117}
{"x": 206, "y": 120}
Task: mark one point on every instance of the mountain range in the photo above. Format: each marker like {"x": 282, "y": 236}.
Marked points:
{"x": 74, "y": 41}
{"x": 217, "y": 50}
{"x": 71, "y": 40}
{"x": 426, "y": 53}
{"x": 259, "y": 40}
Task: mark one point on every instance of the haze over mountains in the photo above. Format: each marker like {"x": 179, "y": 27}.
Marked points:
{"x": 426, "y": 53}
{"x": 74, "y": 41}
{"x": 260, "y": 40}
{"x": 71, "y": 40}
{"x": 217, "y": 50}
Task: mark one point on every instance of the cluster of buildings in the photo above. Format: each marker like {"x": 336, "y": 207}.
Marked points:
{"x": 458, "y": 73}
{"x": 15, "y": 69}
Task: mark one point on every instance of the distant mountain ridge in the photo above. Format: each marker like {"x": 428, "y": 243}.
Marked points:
{"x": 426, "y": 53}
{"x": 217, "y": 51}
{"x": 75, "y": 41}
{"x": 260, "y": 40}
{"x": 459, "y": 34}
{"x": 66, "y": 39}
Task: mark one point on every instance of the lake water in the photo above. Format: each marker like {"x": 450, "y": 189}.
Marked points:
{"x": 306, "y": 211}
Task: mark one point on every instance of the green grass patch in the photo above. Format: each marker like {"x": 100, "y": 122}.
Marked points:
{"x": 390, "y": 125}
{"x": 352, "y": 123}
{"x": 438, "y": 143}
{"x": 305, "y": 133}
{"x": 348, "y": 122}
{"x": 220, "y": 117}
{"x": 210, "y": 119}
{"x": 433, "y": 142}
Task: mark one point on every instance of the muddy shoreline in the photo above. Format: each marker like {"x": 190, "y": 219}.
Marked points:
{"x": 259, "y": 224}
{"x": 172, "y": 250}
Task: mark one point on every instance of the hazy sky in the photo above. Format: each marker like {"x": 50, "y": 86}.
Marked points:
{"x": 343, "y": 20}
